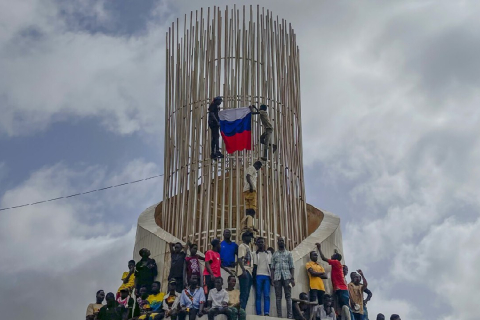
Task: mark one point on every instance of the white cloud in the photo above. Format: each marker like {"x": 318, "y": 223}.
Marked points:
{"x": 50, "y": 72}
{"x": 79, "y": 245}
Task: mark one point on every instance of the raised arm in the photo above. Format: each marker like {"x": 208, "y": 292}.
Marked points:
{"x": 365, "y": 283}
{"x": 369, "y": 295}
{"x": 319, "y": 247}
{"x": 254, "y": 112}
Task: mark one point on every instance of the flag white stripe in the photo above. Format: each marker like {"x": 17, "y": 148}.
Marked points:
{"x": 233, "y": 114}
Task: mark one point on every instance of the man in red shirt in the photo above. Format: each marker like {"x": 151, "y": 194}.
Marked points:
{"x": 338, "y": 279}
{"x": 212, "y": 266}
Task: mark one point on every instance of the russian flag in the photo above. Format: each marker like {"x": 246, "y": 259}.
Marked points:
{"x": 236, "y": 129}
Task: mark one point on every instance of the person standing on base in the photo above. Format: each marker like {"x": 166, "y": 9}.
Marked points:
{"x": 315, "y": 275}
{"x": 244, "y": 268}
{"x": 250, "y": 196}
{"x": 282, "y": 270}
{"x": 228, "y": 250}
{"x": 212, "y": 266}
{"x": 214, "y": 125}
{"x": 261, "y": 277}
{"x": 177, "y": 266}
{"x": 338, "y": 279}
{"x": 355, "y": 290}
{"x": 267, "y": 127}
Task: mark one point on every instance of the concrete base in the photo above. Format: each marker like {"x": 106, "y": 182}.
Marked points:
{"x": 151, "y": 236}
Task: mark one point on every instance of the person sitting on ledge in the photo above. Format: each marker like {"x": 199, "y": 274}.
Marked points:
{"x": 236, "y": 313}
{"x": 326, "y": 311}
{"x": 112, "y": 310}
{"x": 302, "y": 307}
{"x": 128, "y": 278}
{"x": 192, "y": 300}
{"x": 94, "y": 308}
{"x": 127, "y": 301}
{"x": 171, "y": 301}
{"x": 217, "y": 302}
{"x": 145, "y": 270}
{"x": 142, "y": 307}
{"x": 155, "y": 300}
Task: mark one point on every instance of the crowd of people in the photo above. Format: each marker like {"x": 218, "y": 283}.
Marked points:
{"x": 193, "y": 293}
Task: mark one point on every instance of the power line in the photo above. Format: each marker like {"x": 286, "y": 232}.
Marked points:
{"x": 79, "y": 194}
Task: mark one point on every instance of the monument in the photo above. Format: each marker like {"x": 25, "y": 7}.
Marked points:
{"x": 248, "y": 57}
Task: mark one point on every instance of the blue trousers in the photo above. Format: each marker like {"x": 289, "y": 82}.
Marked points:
{"x": 245, "y": 286}
{"x": 262, "y": 289}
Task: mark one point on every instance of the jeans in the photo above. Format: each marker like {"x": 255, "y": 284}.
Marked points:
{"x": 215, "y": 144}
{"x": 245, "y": 285}
{"x": 317, "y": 295}
{"x": 236, "y": 314}
{"x": 343, "y": 297}
{"x": 357, "y": 316}
{"x": 215, "y": 311}
{"x": 285, "y": 285}
{"x": 262, "y": 288}
{"x": 192, "y": 314}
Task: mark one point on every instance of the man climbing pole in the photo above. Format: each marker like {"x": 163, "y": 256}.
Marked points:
{"x": 268, "y": 129}
{"x": 250, "y": 195}
{"x": 214, "y": 124}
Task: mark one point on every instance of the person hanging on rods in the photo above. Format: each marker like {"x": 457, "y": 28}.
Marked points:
{"x": 267, "y": 127}
{"x": 214, "y": 125}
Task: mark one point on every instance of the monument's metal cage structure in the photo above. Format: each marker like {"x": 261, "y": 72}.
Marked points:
{"x": 247, "y": 56}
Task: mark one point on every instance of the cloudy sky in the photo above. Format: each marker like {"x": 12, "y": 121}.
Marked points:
{"x": 390, "y": 94}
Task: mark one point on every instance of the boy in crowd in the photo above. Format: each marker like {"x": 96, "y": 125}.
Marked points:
{"x": 127, "y": 301}
{"x": 302, "y": 307}
{"x": 355, "y": 290}
{"x": 245, "y": 271}
{"x": 261, "y": 277}
{"x": 94, "y": 308}
{"x": 235, "y": 312}
{"x": 217, "y": 302}
{"x": 171, "y": 301}
{"x": 338, "y": 279}
{"x": 250, "y": 196}
{"x": 177, "y": 265}
{"x": 142, "y": 307}
{"x": 315, "y": 274}
{"x": 212, "y": 266}
{"x": 229, "y": 250}
{"x": 112, "y": 310}
{"x": 283, "y": 271}
{"x": 192, "y": 300}
{"x": 326, "y": 310}
{"x": 192, "y": 262}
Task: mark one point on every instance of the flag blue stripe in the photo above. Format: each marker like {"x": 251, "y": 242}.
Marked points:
{"x": 230, "y": 128}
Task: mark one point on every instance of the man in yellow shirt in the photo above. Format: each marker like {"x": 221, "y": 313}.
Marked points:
{"x": 128, "y": 278}
{"x": 315, "y": 274}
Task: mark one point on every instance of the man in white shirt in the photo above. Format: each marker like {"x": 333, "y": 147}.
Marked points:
{"x": 250, "y": 196}
{"x": 262, "y": 277}
{"x": 326, "y": 311}
{"x": 217, "y": 300}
